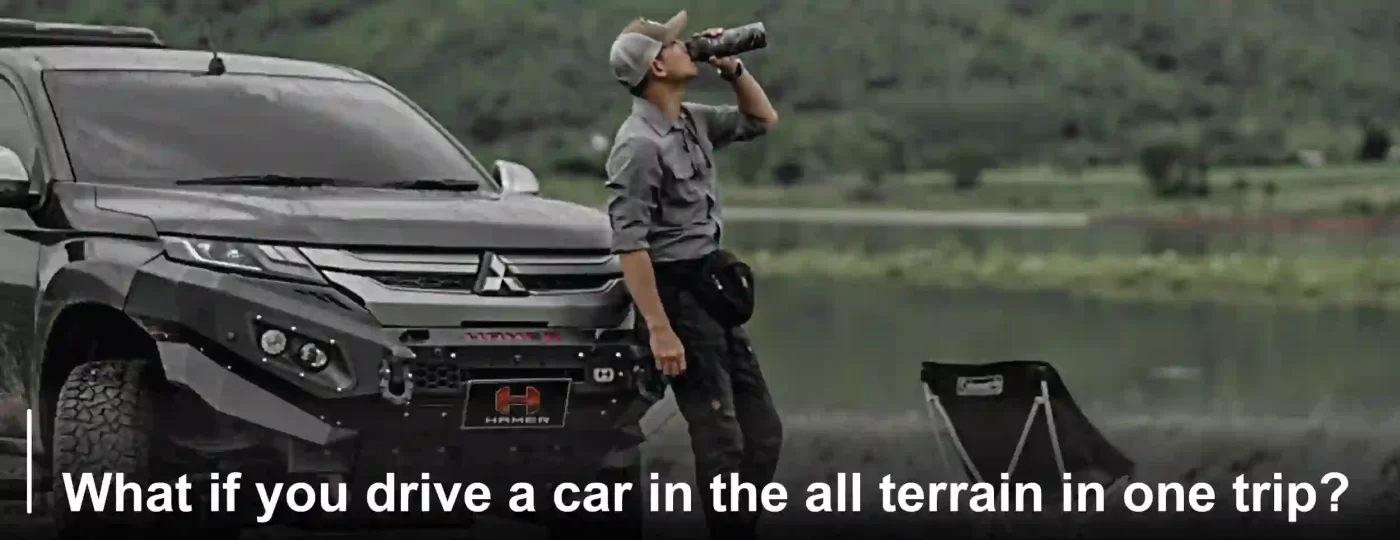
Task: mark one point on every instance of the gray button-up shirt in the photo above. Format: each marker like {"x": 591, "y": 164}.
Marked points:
{"x": 662, "y": 178}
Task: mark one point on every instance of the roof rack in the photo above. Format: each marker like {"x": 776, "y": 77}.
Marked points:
{"x": 27, "y": 33}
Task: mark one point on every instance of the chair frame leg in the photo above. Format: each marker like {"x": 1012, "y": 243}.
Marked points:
{"x": 939, "y": 415}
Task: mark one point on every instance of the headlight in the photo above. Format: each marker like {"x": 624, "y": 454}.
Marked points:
{"x": 311, "y": 357}
{"x": 279, "y": 261}
{"x": 273, "y": 342}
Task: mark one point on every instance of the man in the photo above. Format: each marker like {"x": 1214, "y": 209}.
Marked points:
{"x": 666, "y": 218}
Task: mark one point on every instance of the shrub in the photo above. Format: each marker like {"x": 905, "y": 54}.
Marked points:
{"x": 1174, "y": 169}
{"x": 1241, "y": 185}
{"x": 788, "y": 172}
{"x": 1376, "y": 144}
{"x": 967, "y": 163}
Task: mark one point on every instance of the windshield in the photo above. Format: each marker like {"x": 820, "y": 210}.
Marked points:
{"x": 162, "y": 127}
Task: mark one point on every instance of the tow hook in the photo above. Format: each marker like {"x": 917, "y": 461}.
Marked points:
{"x": 650, "y": 383}
{"x": 395, "y": 378}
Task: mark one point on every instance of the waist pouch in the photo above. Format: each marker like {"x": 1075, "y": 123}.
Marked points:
{"x": 725, "y": 288}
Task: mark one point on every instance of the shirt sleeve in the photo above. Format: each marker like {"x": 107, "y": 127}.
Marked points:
{"x": 726, "y": 124}
{"x": 634, "y": 178}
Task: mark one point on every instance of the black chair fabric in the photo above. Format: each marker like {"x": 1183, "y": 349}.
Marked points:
{"x": 988, "y": 404}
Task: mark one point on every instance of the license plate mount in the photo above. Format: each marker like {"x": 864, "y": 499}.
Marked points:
{"x": 516, "y": 403}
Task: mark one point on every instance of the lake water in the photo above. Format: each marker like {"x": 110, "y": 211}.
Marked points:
{"x": 1200, "y": 391}
{"x": 856, "y": 346}
{"x": 847, "y": 345}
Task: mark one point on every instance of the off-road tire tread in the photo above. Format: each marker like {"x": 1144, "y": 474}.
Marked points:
{"x": 104, "y": 423}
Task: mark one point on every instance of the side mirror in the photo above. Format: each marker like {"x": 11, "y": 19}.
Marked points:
{"x": 14, "y": 180}
{"x": 516, "y": 178}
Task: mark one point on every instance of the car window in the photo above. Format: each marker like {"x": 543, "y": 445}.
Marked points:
{"x": 16, "y": 132}
{"x": 141, "y": 127}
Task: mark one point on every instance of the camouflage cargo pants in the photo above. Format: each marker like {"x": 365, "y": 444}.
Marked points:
{"x": 734, "y": 427}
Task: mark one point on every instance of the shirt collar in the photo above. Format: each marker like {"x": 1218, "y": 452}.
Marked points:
{"x": 653, "y": 116}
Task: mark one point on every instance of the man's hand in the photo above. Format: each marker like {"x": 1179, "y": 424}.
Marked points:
{"x": 726, "y": 65}
{"x": 669, "y": 353}
{"x": 641, "y": 284}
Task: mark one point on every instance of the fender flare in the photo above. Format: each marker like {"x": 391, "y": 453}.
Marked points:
{"x": 66, "y": 284}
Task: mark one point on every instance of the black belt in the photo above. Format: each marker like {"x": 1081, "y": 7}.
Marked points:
{"x": 678, "y": 273}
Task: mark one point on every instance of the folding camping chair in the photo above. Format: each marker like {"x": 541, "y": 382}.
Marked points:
{"x": 992, "y": 414}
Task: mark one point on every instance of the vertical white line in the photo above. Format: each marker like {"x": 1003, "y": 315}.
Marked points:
{"x": 29, "y": 461}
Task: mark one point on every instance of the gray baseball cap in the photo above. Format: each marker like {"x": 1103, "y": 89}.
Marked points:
{"x": 640, "y": 43}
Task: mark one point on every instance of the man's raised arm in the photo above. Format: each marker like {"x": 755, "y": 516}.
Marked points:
{"x": 753, "y": 101}
{"x": 751, "y": 118}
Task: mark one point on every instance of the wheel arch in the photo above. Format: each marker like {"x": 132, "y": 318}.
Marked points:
{"x": 79, "y": 316}
{"x": 80, "y": 333}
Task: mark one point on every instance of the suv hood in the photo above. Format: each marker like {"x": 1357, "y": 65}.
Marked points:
{"x": 363, "y": 217}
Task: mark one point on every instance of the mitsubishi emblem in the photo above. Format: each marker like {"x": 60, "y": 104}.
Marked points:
{"x": 495, "y": 277}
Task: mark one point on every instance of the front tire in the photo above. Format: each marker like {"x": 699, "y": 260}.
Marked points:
{"x": 105, "y": 422}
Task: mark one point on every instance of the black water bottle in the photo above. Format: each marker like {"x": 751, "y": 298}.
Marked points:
{"x": 729, "y": 43}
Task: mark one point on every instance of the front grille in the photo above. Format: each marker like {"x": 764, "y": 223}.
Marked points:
{"x": 423, "y": 280}
{"x": 458, "y": 272}
{"x": 438, "y": 377}
{"x": 442, "y": 377}
{"x": 430, "y": 281}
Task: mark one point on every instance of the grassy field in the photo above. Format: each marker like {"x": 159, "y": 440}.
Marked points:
{"x": 1338, "y": 189}
{"x": 1233, "y": 278}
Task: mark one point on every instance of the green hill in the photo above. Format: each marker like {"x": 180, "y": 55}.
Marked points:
{"x": 874, "y": 84}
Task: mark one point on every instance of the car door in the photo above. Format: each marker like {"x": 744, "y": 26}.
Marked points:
{"x": 19, "y": 256}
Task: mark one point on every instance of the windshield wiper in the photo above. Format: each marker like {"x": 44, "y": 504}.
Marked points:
{"x": 276, "y": 180}
{"x": 436, "y": 184}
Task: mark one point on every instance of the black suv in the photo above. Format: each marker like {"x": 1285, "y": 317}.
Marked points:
{"x": 286, "y": 268}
